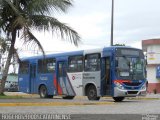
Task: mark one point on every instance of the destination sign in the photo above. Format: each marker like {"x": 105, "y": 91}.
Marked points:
{"x": 130, "y": 52}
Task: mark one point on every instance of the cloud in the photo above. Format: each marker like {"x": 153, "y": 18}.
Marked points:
{"x": 88, "y": 26}
{"x": 134, "y": 20}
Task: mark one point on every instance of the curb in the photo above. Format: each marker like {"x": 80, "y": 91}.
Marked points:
{"x": 82, "y": 97}
{"x": 55, "y": 104}
{"x": 143, "y": 98}
{"x": 137, "y": 98}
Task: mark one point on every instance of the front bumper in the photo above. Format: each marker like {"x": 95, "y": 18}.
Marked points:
{"x": 128, "y": 93}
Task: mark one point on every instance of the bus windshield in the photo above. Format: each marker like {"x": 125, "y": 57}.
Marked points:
{"x": 130, "y": 68}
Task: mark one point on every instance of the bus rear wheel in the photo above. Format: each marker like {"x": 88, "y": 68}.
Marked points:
{"x": 68, "y": 97}
{"x": 118, "y": 99}
{"x": 43, "y": 92}
{"x": 92, "y": 93}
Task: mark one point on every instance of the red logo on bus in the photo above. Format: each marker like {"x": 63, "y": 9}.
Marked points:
{"x": 73, "y": 77}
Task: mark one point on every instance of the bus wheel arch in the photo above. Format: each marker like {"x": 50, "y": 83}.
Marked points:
{"x": 43, "y": 91}
{"x": 91, "y": 92}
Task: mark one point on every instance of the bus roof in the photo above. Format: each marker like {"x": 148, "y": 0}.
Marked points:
{"x": 53, "y": 55}
{"x": 80, "y": 52}
{"x": 114, "y": 47}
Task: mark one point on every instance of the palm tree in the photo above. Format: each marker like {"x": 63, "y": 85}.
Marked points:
{"x": 3, "y": 45}
{"x": 22, "y": 16}
{"x": 3, "y": 48}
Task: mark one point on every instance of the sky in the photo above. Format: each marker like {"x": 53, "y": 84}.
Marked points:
{"x": 134, "y": 21}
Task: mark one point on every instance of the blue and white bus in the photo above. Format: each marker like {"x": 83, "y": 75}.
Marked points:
{"x": 116, "y": 71}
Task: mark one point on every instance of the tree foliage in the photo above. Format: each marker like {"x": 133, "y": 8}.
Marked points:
{"x": 119, "y": 45}
{"x": 22, "y": 16}
{"x": 3, "y": 45}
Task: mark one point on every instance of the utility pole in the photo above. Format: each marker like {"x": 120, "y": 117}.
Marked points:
{"x": 112, "y": 22}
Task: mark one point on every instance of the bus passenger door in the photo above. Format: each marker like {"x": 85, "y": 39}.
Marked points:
{"x": 63, "y": 85}
{"x": 61, "y": 78}
{"x": 32, "y": 78}
{"x": 106, "y": 76}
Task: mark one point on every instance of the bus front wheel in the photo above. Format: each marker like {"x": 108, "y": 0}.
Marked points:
{"x": 118, "y": 99}
{"x": 43, "y": 92}
{"x": 92, "y": 93}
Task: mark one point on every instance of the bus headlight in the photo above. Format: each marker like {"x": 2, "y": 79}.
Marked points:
{"x": 143, "y": 87}
{"x": 119, "y": 85}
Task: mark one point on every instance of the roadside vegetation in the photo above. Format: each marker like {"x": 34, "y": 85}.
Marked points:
{"x": 3, "y": 96}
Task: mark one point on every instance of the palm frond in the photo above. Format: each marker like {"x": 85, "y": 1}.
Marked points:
{"x": 30, "y": 39}
{"x": 47, "y": 6}
{"x": 16, "y": 56}
{"x": 1, "y": 29}
{"x": 12, "y": 6}
{"x": 19, "y": 22}
{"x": 43, "y": 23}
{"x": 15, "y": 19}
{"x": 4, "y": 45}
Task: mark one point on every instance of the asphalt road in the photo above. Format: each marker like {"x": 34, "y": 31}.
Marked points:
{"x": 81, "y": 108}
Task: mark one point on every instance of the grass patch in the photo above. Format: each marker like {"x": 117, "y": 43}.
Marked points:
{"x": 3, "y": 96}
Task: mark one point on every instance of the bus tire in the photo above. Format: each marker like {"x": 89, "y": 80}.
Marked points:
{"x": 68, "y": 97}
{"x": 50, "y": 96}
{"x": 92, "y": 93}
{"x": 118, "y": 99}
{"x": 43, "y": 91}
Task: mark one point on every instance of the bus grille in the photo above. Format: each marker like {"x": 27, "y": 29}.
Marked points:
{"x": 131, "y": 84}
{"x": 132, "y": 92}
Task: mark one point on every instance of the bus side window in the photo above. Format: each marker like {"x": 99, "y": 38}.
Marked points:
{"x": 46, "y": 66}
{"x": 51, "y": 65}
{"x": 24, "y": 67}
{"x": 75, "y": 63}
{"x": 92, "y": 62}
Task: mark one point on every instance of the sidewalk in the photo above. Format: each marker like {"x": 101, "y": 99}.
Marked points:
{"x": 25, "y": 95}
{"x": 34, "y": 100}
{"x": 152, "y": 95}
